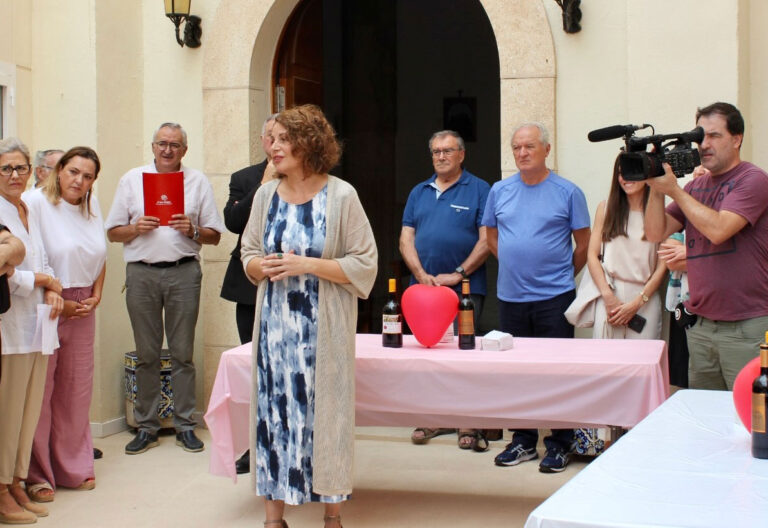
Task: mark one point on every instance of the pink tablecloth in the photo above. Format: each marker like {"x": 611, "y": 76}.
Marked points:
{"x": 539, "y": 383}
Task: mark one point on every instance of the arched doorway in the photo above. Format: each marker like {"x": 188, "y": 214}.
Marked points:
{"x": 238, "y": 70}
{"x": 389, "y": 74}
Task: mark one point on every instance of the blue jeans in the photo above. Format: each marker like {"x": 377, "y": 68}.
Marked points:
{"x": 539, "y": 319}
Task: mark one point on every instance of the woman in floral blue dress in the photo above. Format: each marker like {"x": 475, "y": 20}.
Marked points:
{"x": 310, "y": 249}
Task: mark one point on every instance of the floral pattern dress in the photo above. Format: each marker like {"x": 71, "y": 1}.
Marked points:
{"x": 286, "y": 358}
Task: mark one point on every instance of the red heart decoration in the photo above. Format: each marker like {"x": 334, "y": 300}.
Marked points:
{"x": 742, "y": 391}
{"x": 429, "y": 310}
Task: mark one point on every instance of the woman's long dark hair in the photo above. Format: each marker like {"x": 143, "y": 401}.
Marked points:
{"x": 617, "y": 207}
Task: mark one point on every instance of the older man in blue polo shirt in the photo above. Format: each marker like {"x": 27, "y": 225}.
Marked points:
{"x": 442, "y": 240}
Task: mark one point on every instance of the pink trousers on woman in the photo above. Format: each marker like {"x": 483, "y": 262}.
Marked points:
{"x": 62, "y": 452}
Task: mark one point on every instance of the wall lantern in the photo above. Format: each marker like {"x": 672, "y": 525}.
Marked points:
{"x": 177, "y": 11}
{"x": 571, "y": 15}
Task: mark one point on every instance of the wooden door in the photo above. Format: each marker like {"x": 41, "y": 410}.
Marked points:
{"x": 298, "y": 77}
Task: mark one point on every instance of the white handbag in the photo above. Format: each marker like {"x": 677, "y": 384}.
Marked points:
{"x": 581, "y": 312}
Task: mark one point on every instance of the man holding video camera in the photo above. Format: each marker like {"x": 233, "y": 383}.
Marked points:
{"x": 725, "y": 216}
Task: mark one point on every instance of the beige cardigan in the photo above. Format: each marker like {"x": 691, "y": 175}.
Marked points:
{"x": 348, "y": 240}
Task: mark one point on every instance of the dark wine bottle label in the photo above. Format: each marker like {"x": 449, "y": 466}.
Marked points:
{"x": 466, "y": 322}
{"x": 391, "y": 324}
{"x": 758, "y": 413}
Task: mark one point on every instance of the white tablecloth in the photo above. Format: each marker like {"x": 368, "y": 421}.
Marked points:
{"x": 688, "y": 464}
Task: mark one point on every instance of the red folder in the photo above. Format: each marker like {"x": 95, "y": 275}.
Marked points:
{"x": 163, "y": 195}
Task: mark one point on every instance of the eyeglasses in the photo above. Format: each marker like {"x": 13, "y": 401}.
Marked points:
{"x": 21, "y": 170}
{"x": 436, "y": 153}
{"x": 162, "y": 145}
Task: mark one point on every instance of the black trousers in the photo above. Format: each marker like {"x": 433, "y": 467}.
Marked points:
{"x": 244, "y": 315}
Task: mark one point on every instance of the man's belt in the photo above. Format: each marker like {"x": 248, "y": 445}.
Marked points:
{"x": 182, "y": 260}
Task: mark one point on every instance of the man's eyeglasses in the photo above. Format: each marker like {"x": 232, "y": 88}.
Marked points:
{"x": 162, "y": 145}
{"x": 21, "y": 170}
{"x": 436, "y": 153}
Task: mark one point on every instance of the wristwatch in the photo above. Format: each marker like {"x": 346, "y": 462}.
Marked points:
{"x": 195, "y": 232}
{"x": 461, "y": 271}
{"x": 644, "y": 297}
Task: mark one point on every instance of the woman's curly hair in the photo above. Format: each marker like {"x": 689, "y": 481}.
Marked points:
{"x": 312, "y": 137}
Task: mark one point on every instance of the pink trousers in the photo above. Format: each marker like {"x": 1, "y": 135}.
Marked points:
{"x": 62, "y": 452}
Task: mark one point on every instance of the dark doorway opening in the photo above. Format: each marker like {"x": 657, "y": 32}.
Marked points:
{"x": 388, "y": 74}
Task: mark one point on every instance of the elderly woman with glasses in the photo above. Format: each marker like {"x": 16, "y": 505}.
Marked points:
{"x": 62, "y": 453}
{"x": 35, "y": 293}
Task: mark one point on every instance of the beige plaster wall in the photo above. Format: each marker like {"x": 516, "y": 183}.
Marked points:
{"x": 638, "y": 61}
{"x": 15, "y": 49}
{"x": 755, "y": 79}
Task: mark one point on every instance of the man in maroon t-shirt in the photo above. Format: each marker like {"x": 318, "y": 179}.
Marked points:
{"x": 724, "y": 213}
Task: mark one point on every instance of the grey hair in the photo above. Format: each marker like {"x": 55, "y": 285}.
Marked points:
{"x": 13, "y": 144}
{"x": 40, "y": 156}
{"x": 174, "y": 126}
{"x": 267, "y": 120}
{"x": 543, "y": 132}
{"x": 444, "y": 133}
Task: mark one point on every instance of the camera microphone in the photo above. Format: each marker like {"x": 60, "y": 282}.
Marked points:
{"x": 613, "y": 132}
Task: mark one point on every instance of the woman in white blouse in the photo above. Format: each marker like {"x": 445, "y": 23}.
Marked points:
{"x": 28, "y": 336}
{"x": 62, "y": 454}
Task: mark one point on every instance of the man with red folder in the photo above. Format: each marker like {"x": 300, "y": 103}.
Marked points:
{"x": 163, "y": 279}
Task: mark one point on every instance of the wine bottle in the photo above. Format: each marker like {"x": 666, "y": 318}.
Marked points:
{"x": 466, "y": 318}
{"x": 392, "y": 319}
{"x": 759, "y": 395}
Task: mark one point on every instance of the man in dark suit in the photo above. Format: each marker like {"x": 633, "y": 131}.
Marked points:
{"x": 236, "y": 287}
{"x": 242, "y": 187}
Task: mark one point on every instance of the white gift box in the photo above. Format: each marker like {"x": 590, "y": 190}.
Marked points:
{"x": 495, "y": 340}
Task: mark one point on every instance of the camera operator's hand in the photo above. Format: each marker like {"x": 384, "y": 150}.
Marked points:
{"x": 666, "y": 184}
{"x": 673, "y": 253}
{"x": 700, "y": 171}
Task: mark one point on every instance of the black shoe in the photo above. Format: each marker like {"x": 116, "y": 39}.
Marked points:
{"x": 140, "y": 443}
{"x": 514, "y": 454}
{"x": 189, "y": 442}
{"x": 97, "y": 453}
{"x": 243, "y": 464}
{"x": 555, "y": 461}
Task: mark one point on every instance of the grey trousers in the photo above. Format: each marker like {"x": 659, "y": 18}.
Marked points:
{"x": 172, "y": 296}
{"x": 718, "y": 350}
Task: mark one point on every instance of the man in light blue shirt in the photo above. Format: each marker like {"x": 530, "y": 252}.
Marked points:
{"x": 531, "y": 219}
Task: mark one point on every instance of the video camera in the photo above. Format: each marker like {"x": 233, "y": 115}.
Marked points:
{"x": 637, "y": 164}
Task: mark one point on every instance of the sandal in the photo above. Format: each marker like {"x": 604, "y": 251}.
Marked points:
{"x": 422, "y": 435}
{"x": 473, "y": 439}
{"x": 87, "y": 485}
{"x": 467, "y": 438}
{"x": 481, "y": 444}
{"x": 40, "y": 492}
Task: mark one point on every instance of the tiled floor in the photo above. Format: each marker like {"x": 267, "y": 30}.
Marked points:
{"x": 397, "y": 484}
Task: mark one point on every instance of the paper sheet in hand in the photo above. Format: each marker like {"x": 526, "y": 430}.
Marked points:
{"x": 163, "y": 195}
{"x": 46, "y": 338}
